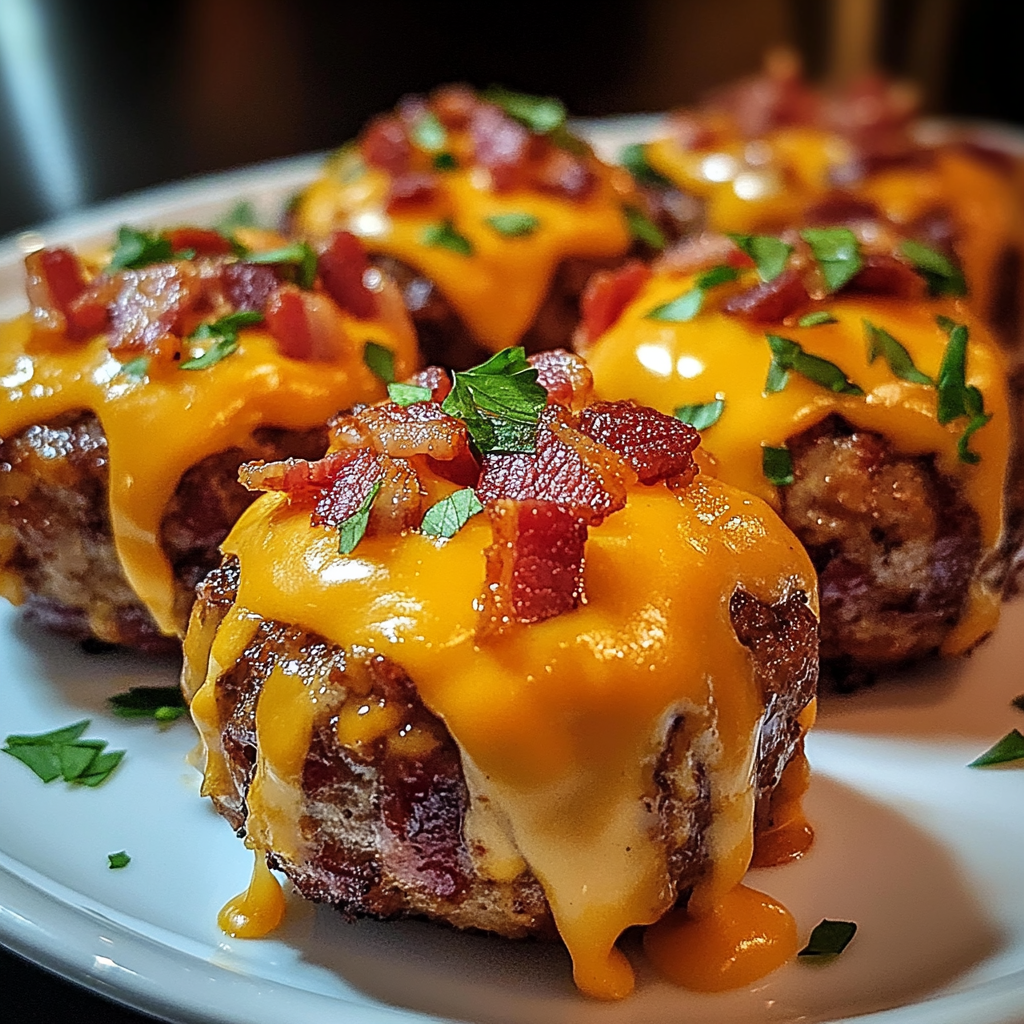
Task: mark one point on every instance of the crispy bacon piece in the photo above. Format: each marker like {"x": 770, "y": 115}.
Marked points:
{"x": 886, "y": 275}
{"x": 54, "y": 279}
{"x": 411, "y": 189}
{"x": 606, "y": 295}
{"x": 203, "y": 240}
{"x": 770, "y": 301}
{"x": 568, "y": 468}
{"x": 655, "y": 445}
{"x": 840, "y": 207}
{"x": 399, "y": 503}
{"x": 706, "y": 250}
{"x": 774, "y": 99}
{"x": 534, "y": 565}
{"x": 385, "y": 144}
{"x": 454, "y": 105}
{"x": 501, "y": 144}
{"x": 434, "y": 377}
{"x": 151, "y": 303}
{"x": 690, "y": 131}
{"x": 418, "y": 429}
{"x": 343, "y": 266}
{"x": 565, "y": 376}
{"x": 563, "y": 174}
{"x": 247, "y": 286}
{"x": 306, "y": 325}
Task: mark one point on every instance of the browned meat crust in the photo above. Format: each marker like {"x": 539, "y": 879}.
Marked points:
{"x": 383, "y": 827}
{"x": 444, "y": 338}
{"x": 894, "y": 542}
{"x": 55, "y": 534}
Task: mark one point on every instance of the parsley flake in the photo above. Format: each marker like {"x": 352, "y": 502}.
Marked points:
{"x": 137, "y": 367}
{"x": 837, "y": 253}
{"x": 428, "y": 133}
{"x": 513, "y": 225}
{"x": 115, "y": 861}
{"x": 351, "y": 530}
{"x": 380, "y": 361}
{"x": 643, "y": 229}
{"x": 634, "y": 158}
{"x": 541, "y": 114}
{"x": 957, "y": 398}
{"x": 223, "y": 334}
{"x": 163, "y": 703}
{"x": 241, "y": 215}
{"x": 768, "y": 253}
{"x": 136, "y": 249}
{"x": 700, "y": 417}
{"x": 882, "y": 343}
{"x": 408, "y": 394}
{"x": 777, "y": 466}
{"x": 829, "y": 939}
{"x": 942, "y": 275}
{"x": 444, "y": 162}
{"x": 444, "y": 236}
{"x": 1009, "y": 748}
{"x": 298, "y": 255}
{"x": 788, "y": 356}
{"x": 816, "y": 319}
{"x": 689, "y": 304}
{"x": 500, "y": 402}
{"x": 62, "y": 753}
{"x": 451, "y": 514}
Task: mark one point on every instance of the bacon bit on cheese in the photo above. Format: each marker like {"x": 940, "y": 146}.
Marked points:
{"x": 55, "y": 278}
{"x": 883, "y": 274}
{"x": 343, "y": 266}
{"x": 306, "y": 325}
{"x": 204, "y": 241}
{"x": 385, "y": 144}
{"x": 566, "y": 378}
{"x": 607, "y": 294}
{"x": 770, "y": 301}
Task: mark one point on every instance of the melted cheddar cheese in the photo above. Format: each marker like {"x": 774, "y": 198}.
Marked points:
{"x": 717, "y": 355}
{"x": 159, "y": 425}
{"x": 560, "y": 724}
{"x": 765, "y": 185}
{"x": 499, "y": 288}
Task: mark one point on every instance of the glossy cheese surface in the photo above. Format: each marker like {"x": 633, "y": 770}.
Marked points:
{"x": 559, "y": 723}
{"x": 158, "y": 426}
{"x": 765, "y": 185}
{"x": 498, "y": 289}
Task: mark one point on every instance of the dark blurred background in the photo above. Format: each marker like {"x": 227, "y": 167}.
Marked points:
{"x": 100, "y": 97}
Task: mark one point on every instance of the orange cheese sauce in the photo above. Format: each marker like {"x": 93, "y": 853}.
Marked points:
{"x": 560, "y": 724}
{"x": 497, "y": 290}
{"x": 765, "y": 185}
{"x": 160, "y": 425}
{"x": 716, "y": 355}
{"x": 257, "y": 911}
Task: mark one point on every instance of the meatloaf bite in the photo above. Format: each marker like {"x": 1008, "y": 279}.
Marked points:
{"x": 512, "y": 665}
{"x": 134, "y": 389}
{"x": 873, "y": 415}
{"x": 489, "y": 213}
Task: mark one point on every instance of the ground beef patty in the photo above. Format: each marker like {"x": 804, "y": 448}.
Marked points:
{"x": 894, "y": 542}
{"x": 56, "y": 546}
{"x": 383, "y": 826}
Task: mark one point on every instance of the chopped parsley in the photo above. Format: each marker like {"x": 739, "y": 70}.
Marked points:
{"x": 1009, "y": 748}
{"x": 942, "y": 275}
{"x": 513, "y": 225}
{"x": 136, "y": 249}
{"x": 500, "y": 402}
{"x": 119, "y": 860}
{"x": 351, "y": 530}
{"x": 816, "y": 319}
{"x": 689, "y": 304}
{"x": 444, "y": 162}
{"x": 768, "y": 253}
{"x": 380, "y": 361}
{"x": 829, "y": 939}
{"x": 634, "y": 158}
{"x": 444, "y": 236}
{"x": 241, "y": 215}
{"x": 137, "y": 367}
{"x": 957, "y": 398}
{"x": 223, "y": 335}
{"x": 163, "y": 703}
{"x": 700, "y": 417}
{"x": 882, "y": 343}
{"x": 788, "y": 356}
{"x": 451, "y": 514}
{"x": 541, "y": 114}
{"x": 298, "y": 255}
{"x": 428, "y": 133}
{"x": 837, "y": 253}
{"x": 408, "y": 394}
{"x": 643, "y": 229}
{"x": 63, "y": 754}
{"x": 777, "y": 466}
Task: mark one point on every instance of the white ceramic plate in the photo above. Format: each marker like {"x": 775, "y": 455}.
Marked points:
{"x": 923, "y": 853}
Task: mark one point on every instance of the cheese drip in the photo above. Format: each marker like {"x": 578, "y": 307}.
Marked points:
{"x": 716, "y": 355}
{"x": 561, "y": 722}
{"x": 497, "y": 290}
{"x": 792, "y": 171}
{"x": 158, "y": 426}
